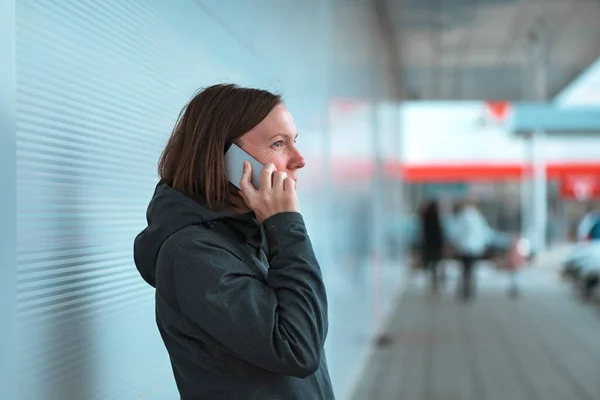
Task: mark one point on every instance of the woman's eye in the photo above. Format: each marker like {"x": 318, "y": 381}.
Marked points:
{"x": 278, "y": 144}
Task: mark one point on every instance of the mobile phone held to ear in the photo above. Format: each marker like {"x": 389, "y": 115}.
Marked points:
{"x": 234, "y": 163}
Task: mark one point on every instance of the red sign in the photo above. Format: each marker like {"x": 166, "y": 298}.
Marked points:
{"x": 499, "y": 110}
{"x": 580, "y": 187}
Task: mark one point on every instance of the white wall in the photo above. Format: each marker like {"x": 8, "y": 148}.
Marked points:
{"x": 445, "y": 132}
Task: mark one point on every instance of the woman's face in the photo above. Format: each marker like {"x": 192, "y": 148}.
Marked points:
{"x": 274, "y": 141}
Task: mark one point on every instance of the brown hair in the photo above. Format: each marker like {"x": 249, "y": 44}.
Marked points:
{"x": 193, "y": 160}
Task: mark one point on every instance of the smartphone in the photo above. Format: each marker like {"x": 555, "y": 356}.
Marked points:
{"x": 234, "y": 162}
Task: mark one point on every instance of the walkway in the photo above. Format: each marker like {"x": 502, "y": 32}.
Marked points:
{"x": 542, "y": 346}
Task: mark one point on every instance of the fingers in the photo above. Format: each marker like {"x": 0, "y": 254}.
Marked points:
{"x": 289, "y": 185}
{"x": 266, "y": 176}
{"x": 278, "y": 179}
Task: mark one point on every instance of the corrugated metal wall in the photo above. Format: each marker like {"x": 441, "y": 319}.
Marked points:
{"x": 99, "y": 86}
{"x": 7, "y": 200}
{"x": 97, "y": 90}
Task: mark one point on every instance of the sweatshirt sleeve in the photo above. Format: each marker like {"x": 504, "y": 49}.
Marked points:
{"x": 280, "y": 325}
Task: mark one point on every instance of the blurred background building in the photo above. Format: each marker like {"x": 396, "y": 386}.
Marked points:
{"x": 395, "y": 102}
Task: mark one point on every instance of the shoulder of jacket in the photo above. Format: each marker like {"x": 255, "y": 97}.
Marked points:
{"x": 199, "y": 233}
{"x": 204, "y": 236}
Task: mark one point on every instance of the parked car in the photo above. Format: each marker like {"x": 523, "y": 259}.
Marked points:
{"x": 587, "y": 234}
{"x": 582, "y": 264}
{"x": 589, "y": 271}
{"x": 574, "y": 260}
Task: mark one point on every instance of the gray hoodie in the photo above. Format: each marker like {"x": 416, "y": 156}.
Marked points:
{"x": 471, "y": 232}
{"x": 240, "y": 306}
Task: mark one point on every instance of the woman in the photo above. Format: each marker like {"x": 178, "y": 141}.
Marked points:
{"x": 433, "y": 240}
{"x": 240, "y": 301}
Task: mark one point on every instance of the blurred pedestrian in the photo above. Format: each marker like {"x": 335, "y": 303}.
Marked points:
{"x": 433, "y": 242}
{"x": 470, "y": 237}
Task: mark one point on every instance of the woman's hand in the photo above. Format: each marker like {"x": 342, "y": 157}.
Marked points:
{"x": 277, "y": 192}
